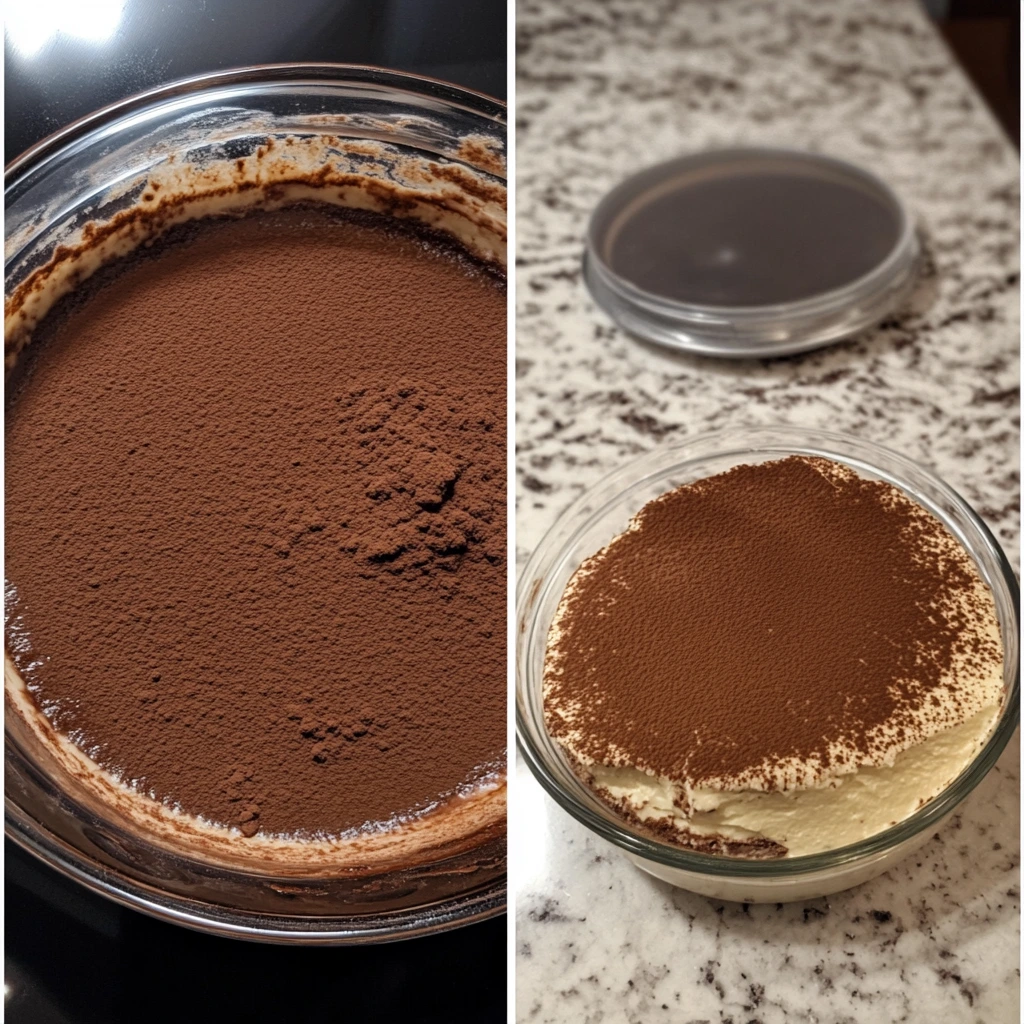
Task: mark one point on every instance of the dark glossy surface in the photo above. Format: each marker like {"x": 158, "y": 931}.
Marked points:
{"x": 54, "y": 77}
{"x": 752, "y": 237}
{"x": 73, "y": 956}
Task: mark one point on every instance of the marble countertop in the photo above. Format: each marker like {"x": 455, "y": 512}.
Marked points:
{"x": 604, "y": 88}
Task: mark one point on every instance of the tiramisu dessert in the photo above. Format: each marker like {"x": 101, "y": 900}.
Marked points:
{"x": 779, "y": 660}
{"x": 255, "y": 503}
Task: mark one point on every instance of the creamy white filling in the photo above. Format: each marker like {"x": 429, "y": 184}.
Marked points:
{"x": 842, "y": 811}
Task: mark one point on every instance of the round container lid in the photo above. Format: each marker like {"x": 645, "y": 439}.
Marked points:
{"x": 750, "y": 252}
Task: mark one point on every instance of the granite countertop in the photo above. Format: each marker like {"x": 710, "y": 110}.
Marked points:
{"x": 602, "y": 89}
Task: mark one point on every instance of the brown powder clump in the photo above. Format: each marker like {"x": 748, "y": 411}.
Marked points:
{"x": 783, "y": 613}
{"x": 256, "y": 520}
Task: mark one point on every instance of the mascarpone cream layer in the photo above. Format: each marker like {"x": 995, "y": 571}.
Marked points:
{"x": 859, "y": 787}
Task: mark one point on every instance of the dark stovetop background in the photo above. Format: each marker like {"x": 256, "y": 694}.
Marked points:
{"x": 72, "y": 956}
{"x": 461, "y": 41}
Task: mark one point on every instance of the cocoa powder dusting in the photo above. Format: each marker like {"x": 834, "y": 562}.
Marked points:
{"x": 256, "y": 520}
{"x": 769, "y": 615}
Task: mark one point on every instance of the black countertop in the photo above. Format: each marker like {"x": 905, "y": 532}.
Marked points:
{"x": 73, "y": 956}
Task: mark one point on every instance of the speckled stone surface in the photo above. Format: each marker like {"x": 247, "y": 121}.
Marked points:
{"x": 604, "y": 88}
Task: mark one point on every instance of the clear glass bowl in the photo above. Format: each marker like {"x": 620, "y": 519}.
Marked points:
{"x": 87, "y": 172}
{"x": 749, "y": 331}
{"x": 604, "y": 512}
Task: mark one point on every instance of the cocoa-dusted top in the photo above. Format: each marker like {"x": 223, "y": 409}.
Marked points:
{"x": 770, "y": 627}
{"x": 256, "y": 520}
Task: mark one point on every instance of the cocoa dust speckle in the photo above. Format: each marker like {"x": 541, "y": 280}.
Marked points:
{"x": 256, "y": 509}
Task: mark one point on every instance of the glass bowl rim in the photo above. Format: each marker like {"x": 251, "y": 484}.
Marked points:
{"x": 20, "y": 826}
{"x": 780, "y": 439}
{"x": 323, "y": 73}
{"x": 877, "y": 278}
{"x": 227, "y": 922}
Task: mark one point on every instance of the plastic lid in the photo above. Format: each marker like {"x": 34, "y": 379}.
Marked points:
{"x": 750, "y": 252}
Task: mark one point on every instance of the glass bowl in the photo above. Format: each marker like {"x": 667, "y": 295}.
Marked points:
{"x": 604, "y": 512}
{"x": 88, "y": 173}
{"x": 742, "y": 331}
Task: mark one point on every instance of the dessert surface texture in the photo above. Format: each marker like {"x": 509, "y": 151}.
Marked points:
{"x": 255, "y": 520}
{"x": 775, "y": 628}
